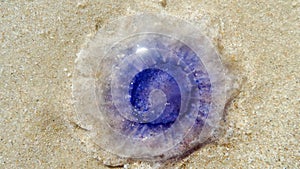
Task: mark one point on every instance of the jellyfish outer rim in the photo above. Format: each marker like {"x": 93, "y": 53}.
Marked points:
{"x": 85, "y": 72}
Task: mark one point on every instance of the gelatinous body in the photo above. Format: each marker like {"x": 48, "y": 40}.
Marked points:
{"x": 149, "y": 92}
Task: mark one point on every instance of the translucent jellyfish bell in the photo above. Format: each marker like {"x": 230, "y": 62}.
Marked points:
{"x": 149, "y": 87}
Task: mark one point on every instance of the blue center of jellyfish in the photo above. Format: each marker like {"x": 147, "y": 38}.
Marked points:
{"x": 156, "y": 101}
{"x": 147, "y": 104}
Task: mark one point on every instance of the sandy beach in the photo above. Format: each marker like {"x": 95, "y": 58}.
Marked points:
{"x": 259, "y": 41}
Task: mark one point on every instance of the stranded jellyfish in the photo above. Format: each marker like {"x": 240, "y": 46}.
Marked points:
{"x": 149, "y": 87}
